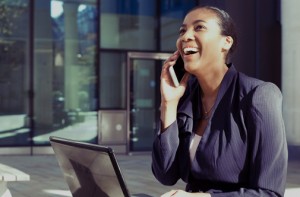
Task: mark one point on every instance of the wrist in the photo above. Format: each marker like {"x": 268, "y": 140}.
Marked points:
{"x": 168, "y": 104}
{"x": 168, "y": 113}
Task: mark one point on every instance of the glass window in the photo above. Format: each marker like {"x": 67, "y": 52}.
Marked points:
{"x": 65, "y": 70}
{"x": 129, "y": 24}
{"x": 144, "y": 102}
{"x": 14, "y": 45}
{"x": 112, "y": 80}
{"x": 172, "y": 14}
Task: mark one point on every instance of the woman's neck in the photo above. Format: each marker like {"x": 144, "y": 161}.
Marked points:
{"x": 210, "y": 81}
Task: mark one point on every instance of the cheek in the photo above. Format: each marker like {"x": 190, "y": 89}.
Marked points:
{"x": 213, "y": 46}
{"x": 178, "y": 45}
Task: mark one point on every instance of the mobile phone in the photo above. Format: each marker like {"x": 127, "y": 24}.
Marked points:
{"x": 177, "y": 71}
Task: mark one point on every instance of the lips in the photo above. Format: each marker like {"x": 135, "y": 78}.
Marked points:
{"x": 190, "y": 50}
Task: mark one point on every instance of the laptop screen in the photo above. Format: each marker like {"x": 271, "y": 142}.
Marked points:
{"x": 89, "y": 169}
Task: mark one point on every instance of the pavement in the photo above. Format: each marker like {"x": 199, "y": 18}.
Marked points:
{"x": 46, "y": 178}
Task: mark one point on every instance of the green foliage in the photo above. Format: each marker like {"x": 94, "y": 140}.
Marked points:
{"x": 10, "y": 11}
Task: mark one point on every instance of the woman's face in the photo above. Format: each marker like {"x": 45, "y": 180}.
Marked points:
{"x": 200, "y": 42}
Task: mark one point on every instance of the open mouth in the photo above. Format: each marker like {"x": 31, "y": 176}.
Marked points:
{"x": 190, "y": 50}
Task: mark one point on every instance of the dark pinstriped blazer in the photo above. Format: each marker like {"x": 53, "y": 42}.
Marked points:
{"x": 243, "y": 151}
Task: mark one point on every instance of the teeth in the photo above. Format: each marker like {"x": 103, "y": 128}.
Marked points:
{"x": 190, "y": 50}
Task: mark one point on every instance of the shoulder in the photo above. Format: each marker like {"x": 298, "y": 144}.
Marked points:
{"x": 259, "y": 97}
{"x": 247, "y": 83}
{"x": 257, "y": 88}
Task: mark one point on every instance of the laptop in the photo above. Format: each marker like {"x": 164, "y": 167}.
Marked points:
{"x": 89, "y": 169}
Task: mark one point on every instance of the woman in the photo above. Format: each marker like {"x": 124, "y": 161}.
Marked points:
{"x": 221, "y": 132}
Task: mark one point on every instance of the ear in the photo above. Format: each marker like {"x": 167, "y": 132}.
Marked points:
{"x": 228, "y": 41}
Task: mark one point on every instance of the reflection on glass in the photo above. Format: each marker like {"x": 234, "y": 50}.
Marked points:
{"x": 172, "y": 14}
{"x": 112, "y": 80}
{"x": 143, "y": 103}
{"x": 13, "y": 72}
{"x": 129, "y": 24}
{"x": 64, "y": 63}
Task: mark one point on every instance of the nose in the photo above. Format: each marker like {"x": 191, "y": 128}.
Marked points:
{"x": 188, "y": 35}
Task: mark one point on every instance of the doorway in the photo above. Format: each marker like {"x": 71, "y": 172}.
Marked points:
{"x": 143, "y": 98}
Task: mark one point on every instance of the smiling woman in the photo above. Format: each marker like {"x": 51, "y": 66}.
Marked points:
{"x": 190, "y": 50}
{"x": 221, "y": 132}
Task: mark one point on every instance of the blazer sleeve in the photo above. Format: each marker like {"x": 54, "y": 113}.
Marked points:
{"x": 164, "y": 158}
{"x": 267, "y": 144}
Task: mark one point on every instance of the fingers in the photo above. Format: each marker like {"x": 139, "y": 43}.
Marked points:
{"x": 167, "y": 64}
{"x": 171, "y": 60}
{"x": 173, "y": 57}
{"x": 170, "y": 193}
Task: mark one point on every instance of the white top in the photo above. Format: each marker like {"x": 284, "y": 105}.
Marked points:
{"x": 194, "y": 144}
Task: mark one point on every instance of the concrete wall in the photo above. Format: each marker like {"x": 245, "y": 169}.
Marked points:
{"x": 291, "y": 68}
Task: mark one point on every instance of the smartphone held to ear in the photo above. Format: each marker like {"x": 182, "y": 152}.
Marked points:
{"x": 177, "y": 71}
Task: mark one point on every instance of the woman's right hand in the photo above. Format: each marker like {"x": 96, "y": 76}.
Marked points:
{"x": 182, "y": 193}
{"x": 170, "y": 93}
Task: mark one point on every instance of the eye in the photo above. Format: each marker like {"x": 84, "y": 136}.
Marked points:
{"x": 199, "y": 27}
{"x": 181, "y": 31}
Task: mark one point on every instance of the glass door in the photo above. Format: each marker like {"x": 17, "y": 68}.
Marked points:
{"x": 14, "y": 77}
{"x": 143, "y": 98}
{"x": 65, "y": 61}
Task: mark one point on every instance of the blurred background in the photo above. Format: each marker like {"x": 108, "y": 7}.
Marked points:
{"x": 89, "y": 69}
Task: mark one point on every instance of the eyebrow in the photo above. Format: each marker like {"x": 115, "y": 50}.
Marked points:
{"x": 195, "y": 22}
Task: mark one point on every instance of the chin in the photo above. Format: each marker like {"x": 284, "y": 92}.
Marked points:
{"x": 191, "y": 66}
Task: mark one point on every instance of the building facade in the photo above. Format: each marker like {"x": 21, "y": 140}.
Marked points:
{"x": 89, "y": 69}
